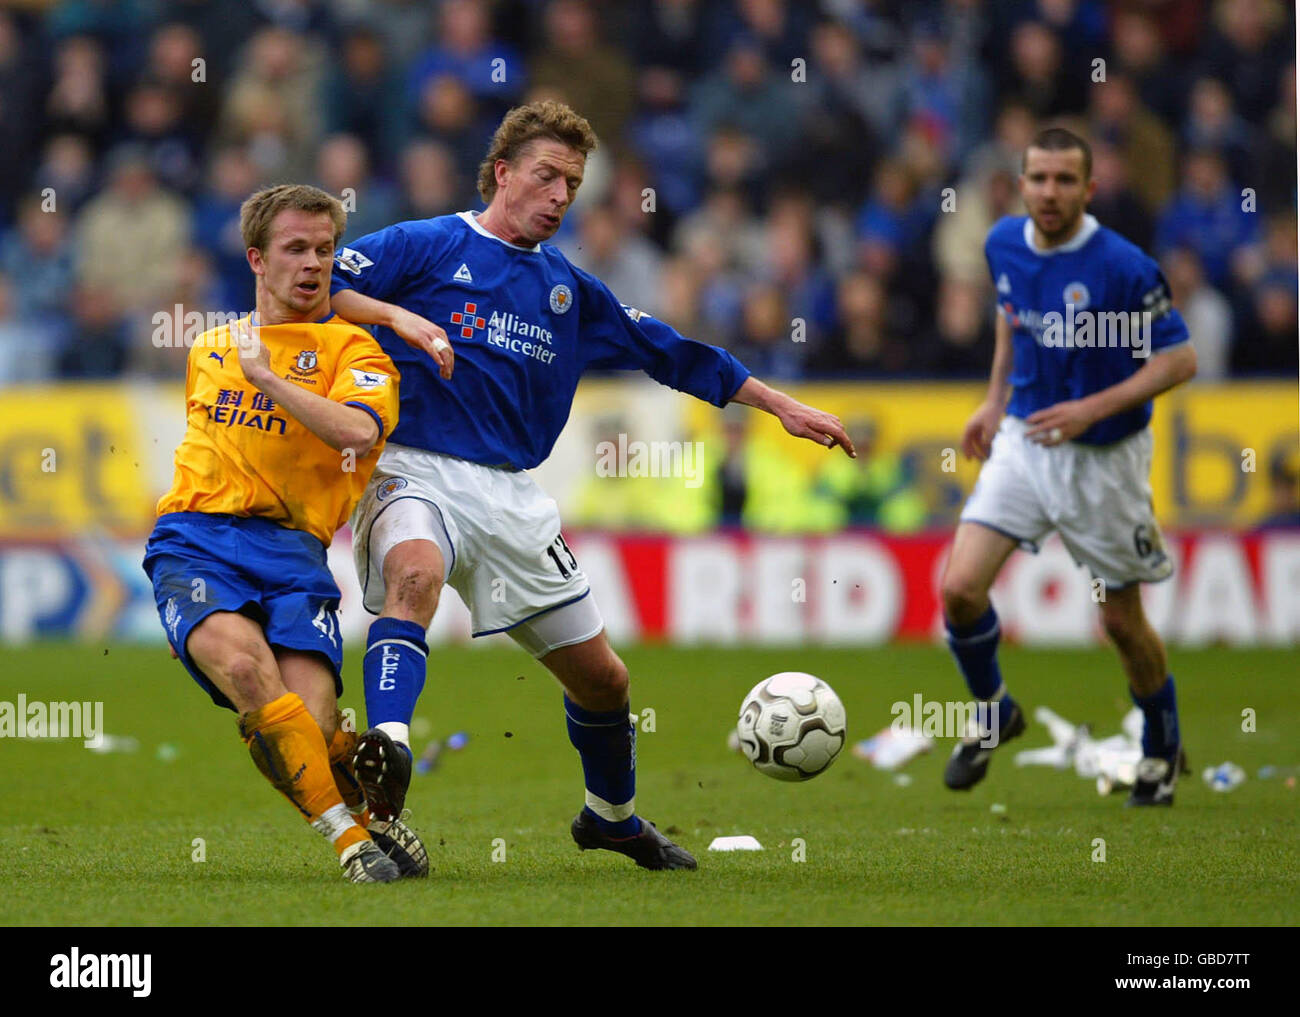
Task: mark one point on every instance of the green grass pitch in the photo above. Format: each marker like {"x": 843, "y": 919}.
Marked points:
{"x": 108, "y": 839}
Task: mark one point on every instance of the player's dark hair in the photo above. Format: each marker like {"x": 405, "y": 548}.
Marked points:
{"x": 525, "y": 124}
{"x": 258, "y": 212}
{"x": 1058, "y": 139}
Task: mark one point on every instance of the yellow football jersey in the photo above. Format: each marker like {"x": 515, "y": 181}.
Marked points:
{"x": 245, "y": 456}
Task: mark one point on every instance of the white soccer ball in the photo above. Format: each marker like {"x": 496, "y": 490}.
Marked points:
{"x": 791, "y": 726}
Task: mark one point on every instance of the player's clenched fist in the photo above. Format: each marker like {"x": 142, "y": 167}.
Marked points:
{"x": 425, "y": 335}
{"x": 977, "y": 439}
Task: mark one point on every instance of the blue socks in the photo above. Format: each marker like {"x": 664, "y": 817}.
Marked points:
{"x": 393, "y": 674}
{"x": 976, "y": 648}
{"x": 1160, "y": 737}
{"x": 607, "y": 744}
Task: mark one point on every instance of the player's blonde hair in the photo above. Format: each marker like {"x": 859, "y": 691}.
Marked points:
{"x": 258, "y": 212}
{"x": 525, "y": 124}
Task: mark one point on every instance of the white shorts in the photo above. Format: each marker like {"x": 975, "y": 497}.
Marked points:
{"x": 500, "y": 540}
{"x": 1097, "y": 497}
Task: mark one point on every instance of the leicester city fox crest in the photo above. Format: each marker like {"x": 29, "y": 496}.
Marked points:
{"x": 390, "y": 486}
{"x": 561, "y": 298}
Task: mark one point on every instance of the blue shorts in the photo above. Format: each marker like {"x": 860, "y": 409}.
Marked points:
{"x": 200, "y": 563}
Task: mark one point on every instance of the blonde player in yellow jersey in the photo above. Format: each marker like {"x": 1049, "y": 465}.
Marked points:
{"x": 287, "y": 410}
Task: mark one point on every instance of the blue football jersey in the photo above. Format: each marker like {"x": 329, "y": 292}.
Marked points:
{"x": 525, "y": 324}
{"x": 1084, "y": 316}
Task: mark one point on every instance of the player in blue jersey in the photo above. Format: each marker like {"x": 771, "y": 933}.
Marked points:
{"x": 449, "y": 501}
{"x": 1086, "y": 337}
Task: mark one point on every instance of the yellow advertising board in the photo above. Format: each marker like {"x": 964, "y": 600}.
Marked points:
{"x": 96, "y": 457}
{"x": 1213, "y": 442}
{"x": 84, "y": 457}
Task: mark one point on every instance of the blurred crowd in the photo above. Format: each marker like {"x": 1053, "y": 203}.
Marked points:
{"x": 773, "y": 175}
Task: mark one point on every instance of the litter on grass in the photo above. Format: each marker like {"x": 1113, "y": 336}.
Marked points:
{"x": 1111, "y": 762}
{"x": 890, "y": 748}
{"x": 1224, "y": 777}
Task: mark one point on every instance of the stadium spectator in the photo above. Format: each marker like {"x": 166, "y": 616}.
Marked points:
{"x": 1206, "y": 311}
{"x": 1208, "y": 216}
{"x": 961, "y": 342}
{"x": 679, "y": 300}
{"x": 891, "y": 217}
{"x": 1120, "y": 119}
{"x": 67, "y": 171}
{"x": 1141, "y": 54}
{"x": 624, "y": 501}
{"x": 746, "y": 95}
{"x": 591, "y": 75}
{"x": 945, "y": 97}
{"x": 78, "y": 101}
{"x": 754, "y": 485}
{"x": 874, "y": 489}
{"x": 764, "y": 339}
{"x": 791, "y": 264}
{"x": 429, "y": 183}
{"x": 223, "y": 29}
{"x": 668, "y": 35}
{"x": 21, "y": 359}
{"x": 726, "y": 220}
{"x": 97, "y": 344}
{"x": 1038, "y": 74}
{"x": 721, "y": 287}
{"x": 130, "y": 239}
{"x": 628, "y": 264}
{"x": 958, "y": 238}
{"x": 863, "y": 341}
{"x": 232, "y": 178}
{"x": 1013, "y": 129}
{"x": 343, "y": 170}
{"x": 1275, "y": 166}
{"x": 446, "y": 112}
{"x": 178, "y": 62}
{"x": 364, "y": 96}
{"x": 663, "y": 136}
{"x": 492, "y": 72}
{"x": 37, "y": 258}
{"x": 20, "y": 120}
{"x": 272, "y": 105}
{"x": 1283, "y": 492}
{"x": 155, "y": 124}
{"x": 1213, "y": 123}
{"x": 1247, "y": 49}
{"x": 1115, "y": 200}
{"x": 778, "y": 27}
{"x": 1270, "y": 326}
{"x": 850, "y": 108}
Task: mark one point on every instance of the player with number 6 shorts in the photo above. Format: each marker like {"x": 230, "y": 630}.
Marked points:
{"x": 451, "y": 502}
{"x": 1086, "y": 338}
{"x": 288, "y": 410}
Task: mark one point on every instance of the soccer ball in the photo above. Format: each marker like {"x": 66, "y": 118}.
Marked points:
{"x": 791, "y": 726}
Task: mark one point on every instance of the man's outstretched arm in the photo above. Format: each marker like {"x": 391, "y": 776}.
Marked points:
{"x": 800, "y": 420}
{"x": 418, "y": 332}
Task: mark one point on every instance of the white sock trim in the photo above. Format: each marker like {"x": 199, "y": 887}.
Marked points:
{"x": 398, "y": 642}
{"x": 334, "y": 822}
{"x": 608, "y": 811}
{"x": 397, "y": 731}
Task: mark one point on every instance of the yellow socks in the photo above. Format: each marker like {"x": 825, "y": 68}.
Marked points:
{"x": 287, "y": 745}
